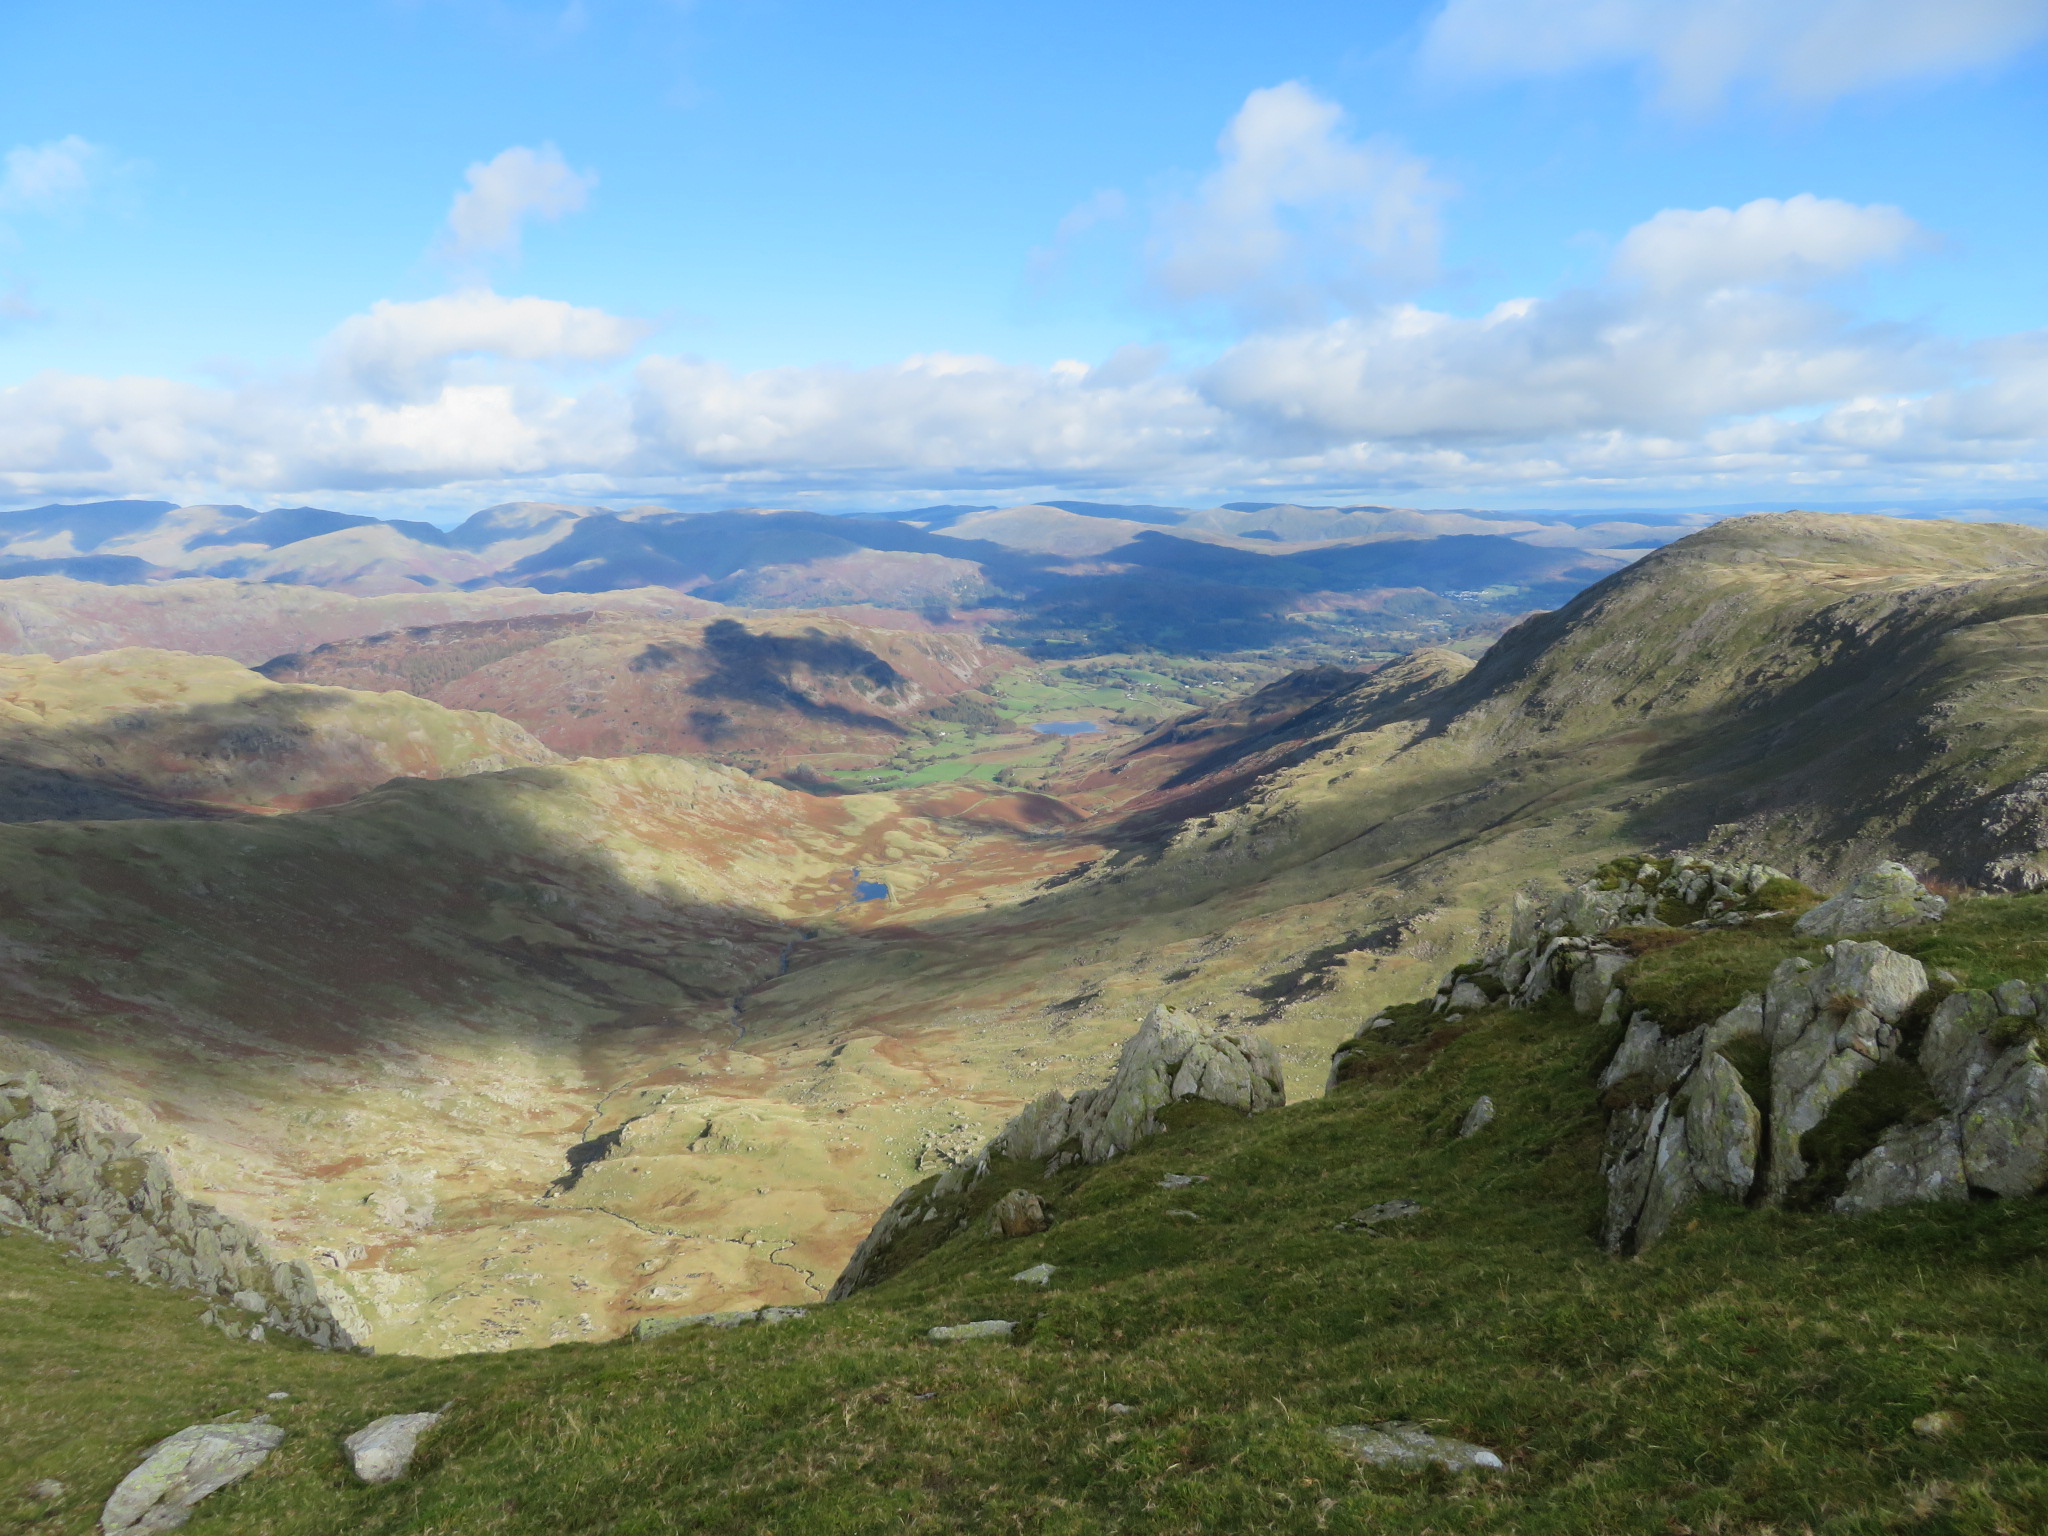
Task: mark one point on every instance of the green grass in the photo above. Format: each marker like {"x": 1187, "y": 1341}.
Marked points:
{"x": 1758, "y": 1371}
{"x": 1983, "y": 940}
{"x": 1687, "y": 978}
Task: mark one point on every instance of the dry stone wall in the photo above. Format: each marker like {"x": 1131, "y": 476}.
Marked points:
{"x": 70, "y": 1173}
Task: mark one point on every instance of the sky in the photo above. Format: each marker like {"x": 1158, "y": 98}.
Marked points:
{"x": 423, "y": 255}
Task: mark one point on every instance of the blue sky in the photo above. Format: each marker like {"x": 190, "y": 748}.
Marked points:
{"x": 1496, "y": 252}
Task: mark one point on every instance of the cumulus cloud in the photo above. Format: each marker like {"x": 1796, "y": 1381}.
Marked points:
{"x": 1689, "y": 328}
{"x": 44, "y": 177}
{"x": 1768, "y": 240}
{"x": 518, "y": 184}
{"x": 971, "y": 418}
{"x": 1707, "y": 357}
{"x": 400, "y": 348}
{"x": 1298, "y": 211}
{"x": 1697, "y": 50}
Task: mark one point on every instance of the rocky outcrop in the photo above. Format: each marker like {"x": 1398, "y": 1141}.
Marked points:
{"x": 80, "y": 1180}
{"x": 1732, "y": 1108}
{"x": 1170, "y": 1058}
{"x": 1885, "y": 897}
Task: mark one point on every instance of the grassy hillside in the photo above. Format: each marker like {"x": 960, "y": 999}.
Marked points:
{"x": 1817, "y": 692}
{"x": 151, "y": 726}
{"x": 1759, "y": 1371}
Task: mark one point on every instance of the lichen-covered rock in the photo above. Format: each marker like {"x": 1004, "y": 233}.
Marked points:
{"x": 1850, "y": 1025}
{"x": 1477, "y": 1118}
{"x": 1671, "y": 1184}
{"x": 2005, "y": 1132}
{"x": 71, "y": 1171}
{"x": 176, "y": 1473}
{"x": 1593, "y": 979}
{"x": 1723, "y": 1129}
{"x": 1468, "y": 997}
{"x": 1020, "y": 1213}
{"x": 1958, "y": 1052}
{"x": 1629, "y": 1166}
{"x": 1911, "y": 1165}
{"x": 1652, "y": 1060}
{"x": 1886, "y": 897}
{"x": 1171, "y": 1057}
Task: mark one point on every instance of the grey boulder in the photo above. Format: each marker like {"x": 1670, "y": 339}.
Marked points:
{"x": 176, "y": 1473}
{"x": 1477, "y": 1118}
{"x": 2005, "y": 1133}
{"x": 1885, "y": 897}
{"x": 1912, "y": 1164}
{"x": 381, "y": 1450}
{"x": 1018, "y": 1214}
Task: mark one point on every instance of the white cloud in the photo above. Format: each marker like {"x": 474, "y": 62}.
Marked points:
{"x": 44, "y": 177}
{"x": 1767, "y": 240}
{"x": 1703, "y": 360}
{"x": 504, "y": 192}
{"x": 1298, "y": 211}
{"x": 1688, "y": 330}
{"x": 1697, "y": 50}
{"x": 967, "y": 417}
{"x": 402, "y": 348}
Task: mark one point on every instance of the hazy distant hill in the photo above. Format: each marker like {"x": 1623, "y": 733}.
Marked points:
{"x": 254, "y": 621}
{"x": 1088, "y": 573}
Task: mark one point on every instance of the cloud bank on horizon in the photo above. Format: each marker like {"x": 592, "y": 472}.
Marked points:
{"x": 1716, "y": 349}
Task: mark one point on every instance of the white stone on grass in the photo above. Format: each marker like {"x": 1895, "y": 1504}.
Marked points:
{"x": 1477, "y": 1118}
{"x": 988, "y": 1328}
{"x": 1037, "y": 1274}
{"x": 382, "y": 1449}
{"x": 1398, "y": 1444}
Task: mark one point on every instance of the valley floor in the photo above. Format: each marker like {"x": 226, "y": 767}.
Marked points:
{"x": 1758, "y": 1372}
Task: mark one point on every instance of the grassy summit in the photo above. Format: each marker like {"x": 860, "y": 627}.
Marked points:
{"x": 1758, "y": 1371}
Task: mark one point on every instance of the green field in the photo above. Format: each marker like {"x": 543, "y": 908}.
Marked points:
{"x": 1758, "y": 1372}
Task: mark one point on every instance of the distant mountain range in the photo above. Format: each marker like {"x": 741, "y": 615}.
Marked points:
{"x": 1105, "y": 575}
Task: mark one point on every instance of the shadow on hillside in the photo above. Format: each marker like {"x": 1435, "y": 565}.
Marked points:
{"x": 747, "y": 668}
{"x": 204, "y": 760}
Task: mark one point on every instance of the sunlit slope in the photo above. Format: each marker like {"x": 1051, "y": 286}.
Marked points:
{"x": 1758, "y": 1371}
{"x": 81, "y": 735}
{"x": 376, "y": 1029}
{"x": 771, "y": 691}
{"x": 1816, "y": 691}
